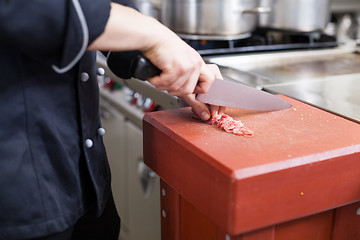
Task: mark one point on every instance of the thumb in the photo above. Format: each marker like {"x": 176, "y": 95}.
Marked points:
{"x": 205, "y": 80}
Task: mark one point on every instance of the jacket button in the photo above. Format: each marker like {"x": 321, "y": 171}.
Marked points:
{"x": 88, "y": 143}
{"x": 101, "y": 131}
{"x": 100, "y": 71}
{"x": 84, "y": 76}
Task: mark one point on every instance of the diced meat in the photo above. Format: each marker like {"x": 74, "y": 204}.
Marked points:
{"x": 228, "y": 124}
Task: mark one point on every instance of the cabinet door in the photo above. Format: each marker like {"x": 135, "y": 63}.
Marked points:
{"x": 114, "y": 139}
{"x": 144, "y": 189}
{"x": 347, "y": 222}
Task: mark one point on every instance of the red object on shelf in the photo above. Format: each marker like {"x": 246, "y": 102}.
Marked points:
{"x": 294, "y": 177}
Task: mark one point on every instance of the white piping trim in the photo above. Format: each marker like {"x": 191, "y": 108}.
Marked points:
{"x": 85, "y": 42}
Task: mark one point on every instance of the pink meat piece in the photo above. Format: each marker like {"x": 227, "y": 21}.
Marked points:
{"x": 228, "y": 124}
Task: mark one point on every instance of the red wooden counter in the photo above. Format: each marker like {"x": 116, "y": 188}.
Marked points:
{"x": 297, "y": 178}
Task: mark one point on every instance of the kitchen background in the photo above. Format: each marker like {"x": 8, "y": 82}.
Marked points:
{"x": 306, "y": 51}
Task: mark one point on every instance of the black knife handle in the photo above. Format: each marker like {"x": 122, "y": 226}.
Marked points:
{"x": 143, "y": 69}
{"x": 130, "y": 64}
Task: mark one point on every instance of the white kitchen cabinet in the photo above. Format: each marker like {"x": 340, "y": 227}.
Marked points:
{"x": 113, "y": 122}
{"x": 144, "y": 189}
{"x": 135, "y": 187}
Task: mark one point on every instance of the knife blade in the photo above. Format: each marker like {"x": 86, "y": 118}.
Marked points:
{"x": 237, "y": 95}
{"x": 222, "y": 93}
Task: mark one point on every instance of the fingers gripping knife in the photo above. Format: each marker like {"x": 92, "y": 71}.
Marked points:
{"x": 222, "y": 93}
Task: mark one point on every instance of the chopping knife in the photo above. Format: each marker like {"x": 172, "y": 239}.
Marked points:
{"x": 221, "y": 93}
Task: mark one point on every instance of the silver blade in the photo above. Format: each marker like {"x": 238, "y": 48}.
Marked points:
{"x": 236, "y": 95}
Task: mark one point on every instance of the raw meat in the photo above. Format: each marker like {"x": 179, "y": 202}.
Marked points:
{"x": 228, "y": 124}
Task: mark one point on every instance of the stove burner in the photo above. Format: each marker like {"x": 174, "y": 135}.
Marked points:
{"x": 260, "y": 40}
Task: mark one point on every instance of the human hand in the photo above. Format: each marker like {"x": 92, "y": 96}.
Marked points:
{"x": 201, "y": 109}
{"x": 184, "y": 73}
{"x": 183, "y": 69}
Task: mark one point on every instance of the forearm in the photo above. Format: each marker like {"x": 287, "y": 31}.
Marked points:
{"x": 128, "y": 29}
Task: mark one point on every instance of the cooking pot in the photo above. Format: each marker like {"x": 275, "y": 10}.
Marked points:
{"x": 211, "y": 17}
{"x": 296, "y": 15}
{"x": 148, "y": 7}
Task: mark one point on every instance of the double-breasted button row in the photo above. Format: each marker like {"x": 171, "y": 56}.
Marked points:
{"x": 89, "y": 143}
{"x": 84, "y": 76}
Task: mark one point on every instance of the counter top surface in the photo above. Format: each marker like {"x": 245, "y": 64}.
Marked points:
{"x": 338, "y": 94}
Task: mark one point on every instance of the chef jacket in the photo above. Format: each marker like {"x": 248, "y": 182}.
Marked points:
{"x": 53, "y": 163}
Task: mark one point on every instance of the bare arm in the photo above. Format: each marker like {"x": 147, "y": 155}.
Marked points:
{"x": 127, "y": 29}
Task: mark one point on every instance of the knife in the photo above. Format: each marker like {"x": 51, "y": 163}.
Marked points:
{"x": 221, "y": 93}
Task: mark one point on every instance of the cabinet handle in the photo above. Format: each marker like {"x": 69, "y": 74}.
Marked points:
{"x": 147, "y": 177}
{"x": 105, "y": 114}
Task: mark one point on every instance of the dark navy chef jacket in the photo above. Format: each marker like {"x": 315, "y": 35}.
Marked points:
{"x": 53, "y": 164}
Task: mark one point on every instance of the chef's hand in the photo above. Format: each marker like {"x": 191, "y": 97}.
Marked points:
{"x": 183, "y": 69}
{"x": 181, "y": 65}
{"x": 201, "y": 109}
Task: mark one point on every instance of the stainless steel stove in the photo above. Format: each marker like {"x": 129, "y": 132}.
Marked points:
{"x": 326, "y": 78}
{"x": 262, "y": 40}
{"x": 312, "y": 67}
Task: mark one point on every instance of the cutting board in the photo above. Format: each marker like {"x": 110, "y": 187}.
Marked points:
{"x": 300, "y": 161}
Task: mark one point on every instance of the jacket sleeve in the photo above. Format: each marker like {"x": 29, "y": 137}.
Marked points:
{"x": 53, "y": 30}
{"x": 128, "y": 3}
